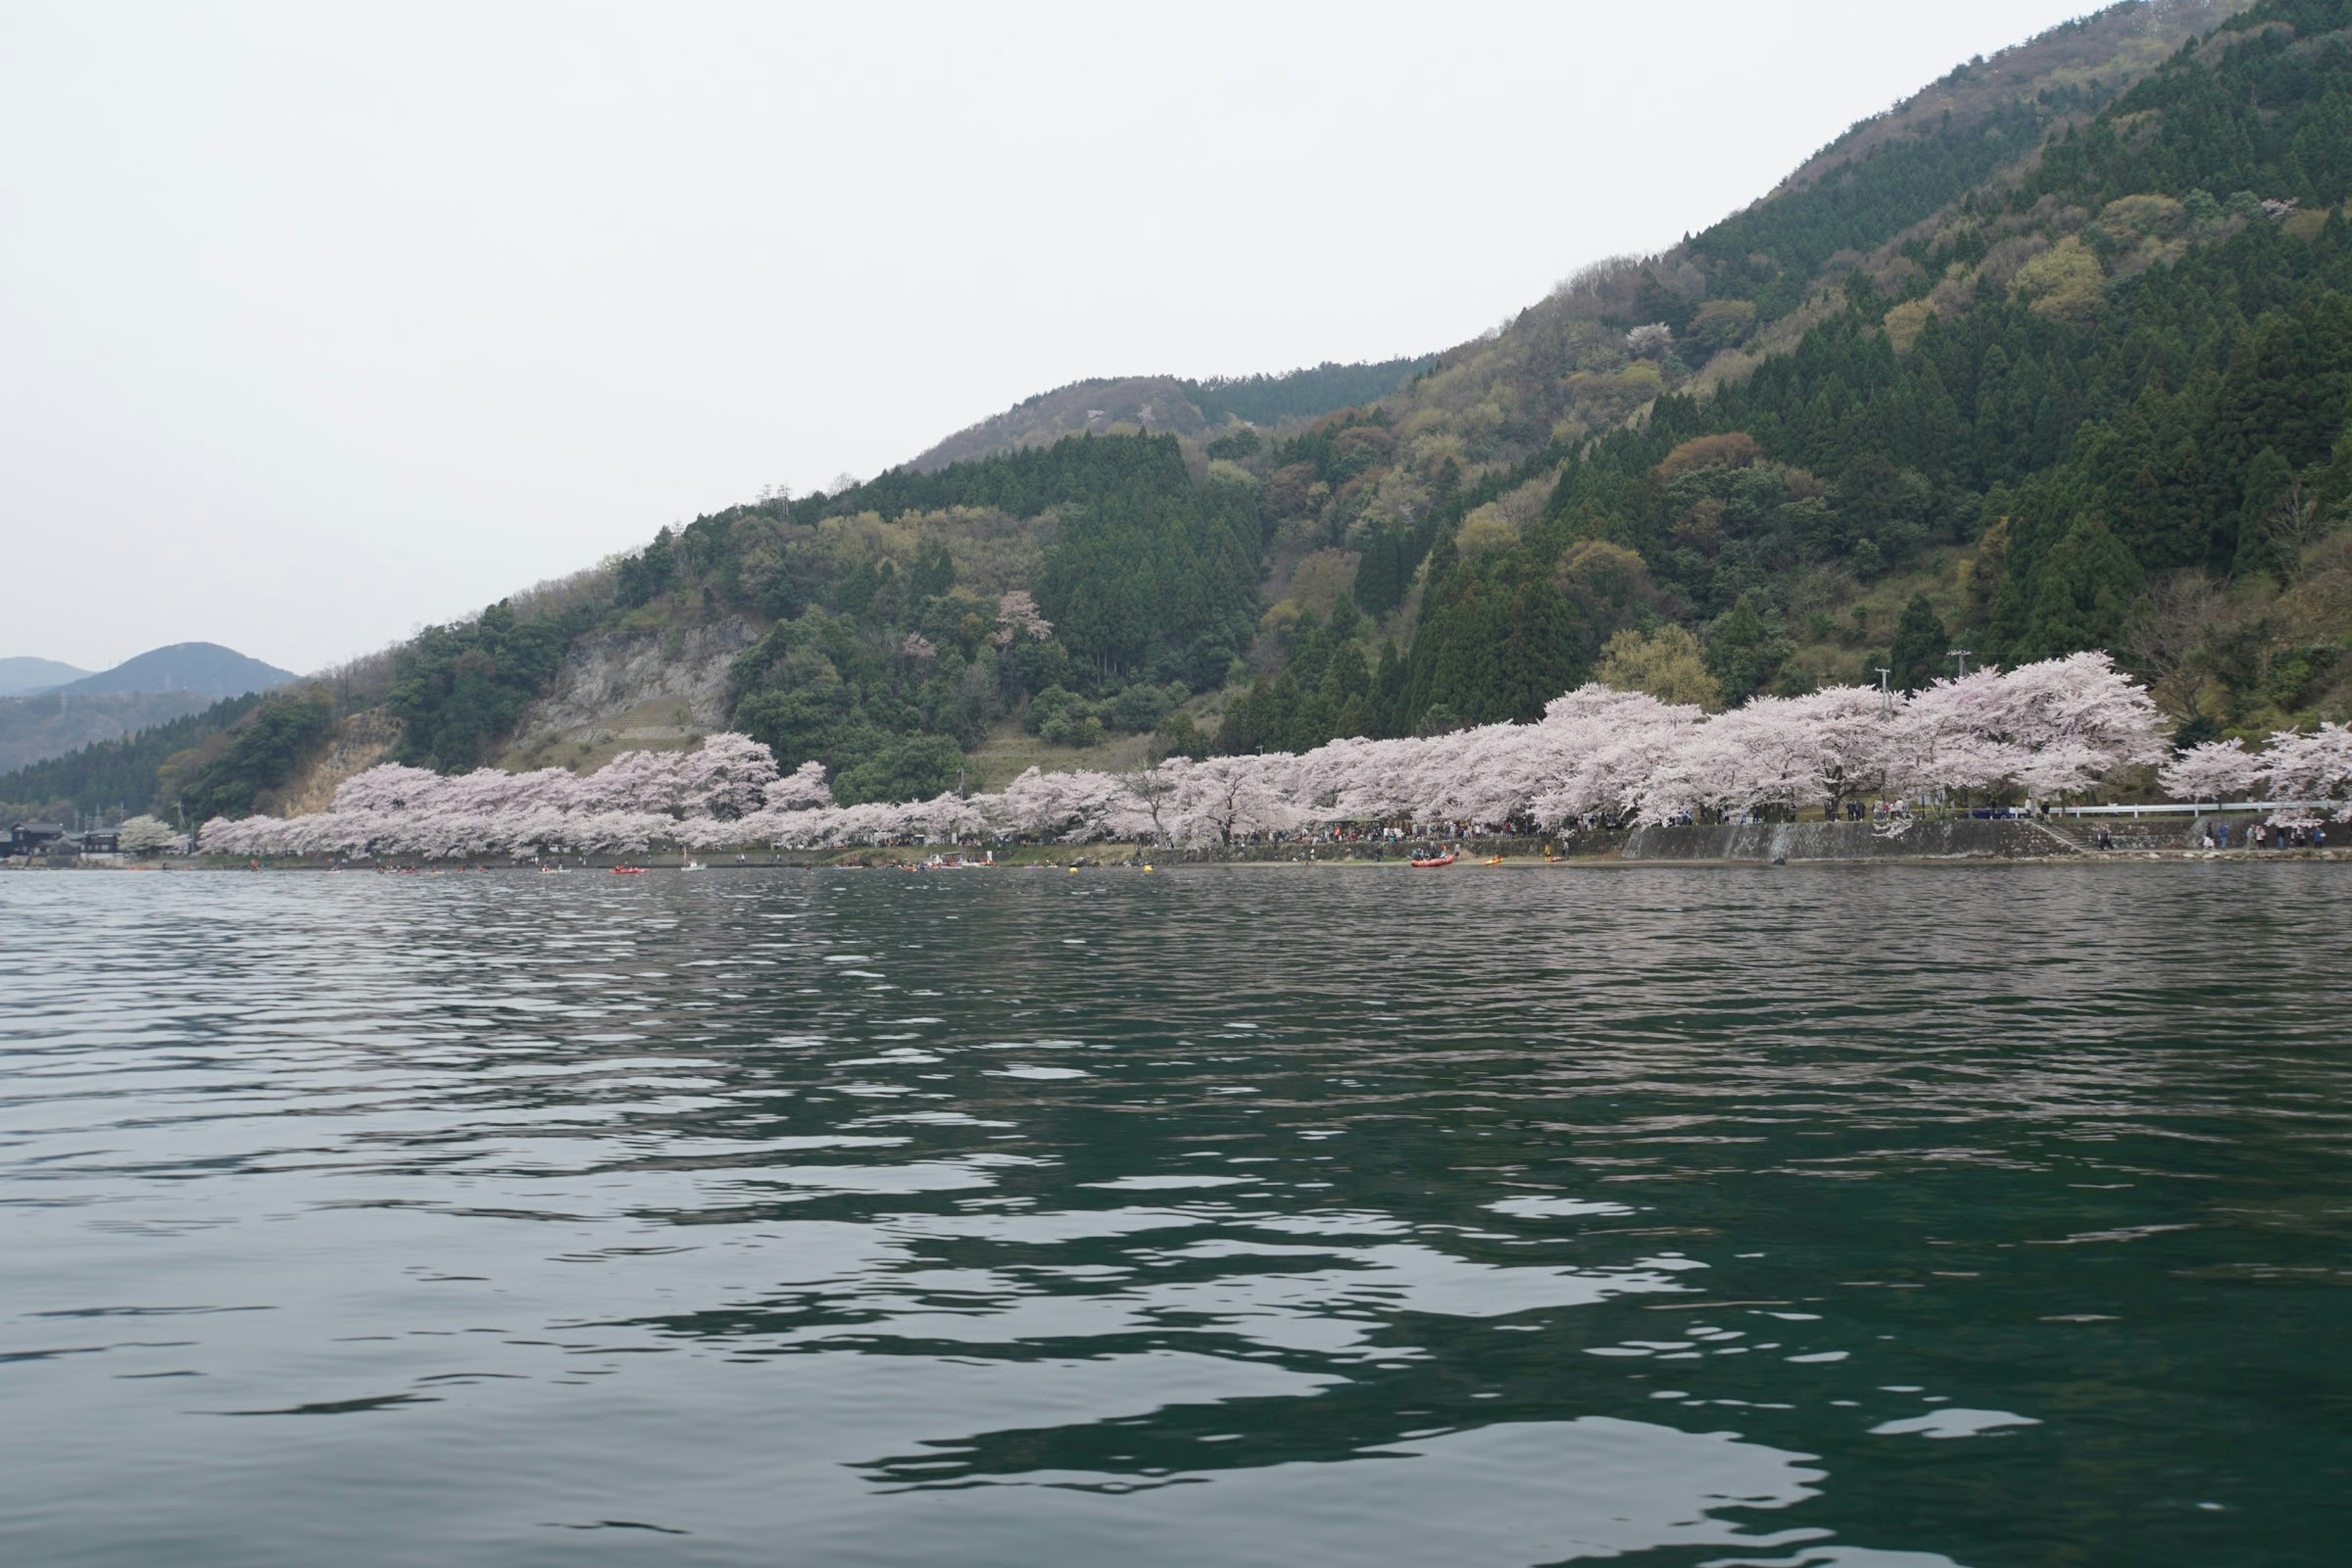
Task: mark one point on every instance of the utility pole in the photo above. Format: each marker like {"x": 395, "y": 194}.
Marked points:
{"x": 1963, "y": 654}
{"x": 1885, "y": 694}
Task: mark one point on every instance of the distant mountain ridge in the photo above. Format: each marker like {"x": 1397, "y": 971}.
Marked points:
{"x": 50, "y": 725}
{"x": 22, "y": 677}
{"x": 151, "y": 689}
{"x": 199, "y": 668}
{"x": 1173, "y": 406}
{"x": 1155, "y": 405}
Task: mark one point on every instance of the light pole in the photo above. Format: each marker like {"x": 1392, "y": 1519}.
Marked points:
{"x": 1963, "y": 654}
{"x": 1885, "y": 695}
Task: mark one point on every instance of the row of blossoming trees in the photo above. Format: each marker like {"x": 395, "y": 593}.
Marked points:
{"x": 2049, "y": 730}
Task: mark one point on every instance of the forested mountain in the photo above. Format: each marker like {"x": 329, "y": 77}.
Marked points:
{"x": 22, "y": 677}
{"x": 1097, "y": 582}
{"x": 34, "y": 728}
{"x": 121, "y": 777}
{"x": 204, "y": 668}
{"x": 2094, "y": 398}
{"x": 2056, "y": 356}
{"x": 148, "y": 689}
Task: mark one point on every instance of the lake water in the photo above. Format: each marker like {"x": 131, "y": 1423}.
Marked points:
{"x": 1839, "y": 1215}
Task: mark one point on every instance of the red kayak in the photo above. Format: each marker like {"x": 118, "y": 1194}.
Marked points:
{"x": 628, "y": 870}
{"x": 1431, "y": 863}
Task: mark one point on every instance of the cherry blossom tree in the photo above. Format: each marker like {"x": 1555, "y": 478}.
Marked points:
{"x": 2212, "y": 771}
{"x": 637, "y": 781}
{"x": 2311, "y": 770}
{"x": 1224, "y": 798}
{"x": 803, "y": 789}
{"x": 1017, "y": 616}
{"x": 727, "y": 778}
{"x": 1072, "y": 807}
{"x": 1852, "y": 739}
{"x": 1147, "y": 806}
{"x": 145, "y": 835}
{"x": 2082, "y": 701}
{"x": 2055, "y": 728}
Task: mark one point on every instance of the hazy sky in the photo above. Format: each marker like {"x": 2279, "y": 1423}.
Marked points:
{"x": 320, "y": 322}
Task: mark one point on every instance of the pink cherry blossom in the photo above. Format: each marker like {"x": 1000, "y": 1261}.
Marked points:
{"x": 2055, "y": 728}
{"x": 2313, "y": 768}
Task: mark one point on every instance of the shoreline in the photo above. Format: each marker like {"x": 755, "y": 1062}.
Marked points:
{"x": 1898, "y": 841}
{"x": 886, "y": 861}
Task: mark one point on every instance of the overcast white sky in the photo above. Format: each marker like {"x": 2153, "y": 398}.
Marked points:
{"x": 320, "y": 322}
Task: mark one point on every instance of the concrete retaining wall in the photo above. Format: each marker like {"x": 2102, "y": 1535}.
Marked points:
{"x": 1970, "y": 839}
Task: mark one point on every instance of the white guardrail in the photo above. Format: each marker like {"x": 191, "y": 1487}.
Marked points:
{"x": 2208, "y": 809}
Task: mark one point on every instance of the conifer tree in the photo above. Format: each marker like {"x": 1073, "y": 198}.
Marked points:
{"x": 2085, "y": 591}
{"x": 1921, "y": 643}
{"x": 1740, "y": 653}
{"x": 2268, "y": 477}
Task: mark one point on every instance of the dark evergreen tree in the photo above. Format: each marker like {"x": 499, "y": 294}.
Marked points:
{"x": 2269, "y": 477}
{"x": 1921, "y": 643}
{"x": 2084, "y": 593}
{"x": 1742, "y": 653}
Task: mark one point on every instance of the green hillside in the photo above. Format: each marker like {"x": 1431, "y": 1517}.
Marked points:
{"x": 892, "y": 649}
{"x": 2096, "y": 398}
{"x": 2056, "y": 354}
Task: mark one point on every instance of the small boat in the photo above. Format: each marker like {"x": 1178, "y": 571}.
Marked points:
{"x": 628, "y": 870}
{"x": 1494, "y": 860}
{"x": 694, "y": 866}
{"x": 1432, "y": 862}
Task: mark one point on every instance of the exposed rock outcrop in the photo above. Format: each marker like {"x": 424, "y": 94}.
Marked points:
{"x": 360, "y": 742}
{"x": 643, "y": 690}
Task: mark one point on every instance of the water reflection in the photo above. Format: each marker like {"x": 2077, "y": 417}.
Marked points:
{"x": 1251, "y": 1216}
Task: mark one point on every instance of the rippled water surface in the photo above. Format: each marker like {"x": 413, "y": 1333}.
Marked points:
{"x": 1283, "y": 1215}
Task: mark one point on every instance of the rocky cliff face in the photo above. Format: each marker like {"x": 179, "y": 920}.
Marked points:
{"x": 360, "y": 742}
{"x": 634, "y": 690}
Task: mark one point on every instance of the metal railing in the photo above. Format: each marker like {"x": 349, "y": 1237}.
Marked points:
{"x": 2174, "y": 808}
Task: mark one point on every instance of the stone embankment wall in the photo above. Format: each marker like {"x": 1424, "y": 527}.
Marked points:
{"x": 1968, "y": 839}
{"x": 2145, "y": 833}
{"x": 1580, "y": 846}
